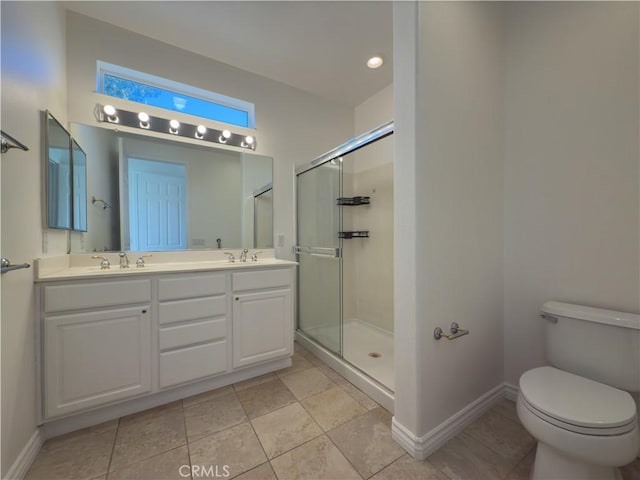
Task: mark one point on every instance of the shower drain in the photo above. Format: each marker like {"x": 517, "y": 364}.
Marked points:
{"x": 375, "y": 355}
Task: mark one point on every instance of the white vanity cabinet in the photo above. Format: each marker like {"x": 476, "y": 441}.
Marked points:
{"x": 96, "y": 344}
{"x": 193, "y": 322}
{"x": 138, "y": 337}
{"x": 262, "y": 316}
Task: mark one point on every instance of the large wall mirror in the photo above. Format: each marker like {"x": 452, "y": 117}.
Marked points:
{"x": 66, "y": 178}
{"x": 152, "y": 194}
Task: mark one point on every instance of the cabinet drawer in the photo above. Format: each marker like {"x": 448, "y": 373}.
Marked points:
{"x": 183, "y": 335}
{"x": 189, "y": 286}
{"x": 60, "y": 298}
{"x": 192, "y": 363}
{"x": 264, "y": 279}
{"x": 192, "y": 309}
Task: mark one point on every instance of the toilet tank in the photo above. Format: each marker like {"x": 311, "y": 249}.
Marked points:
{"x": 603, "y": 345}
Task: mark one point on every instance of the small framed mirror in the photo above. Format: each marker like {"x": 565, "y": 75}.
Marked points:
{"x": 58, "y": 174}
{"x": 79, "y": 191}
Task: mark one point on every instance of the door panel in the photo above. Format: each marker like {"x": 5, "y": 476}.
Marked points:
{"x": 318, "y": 250}
{"x": 157, "y": 203}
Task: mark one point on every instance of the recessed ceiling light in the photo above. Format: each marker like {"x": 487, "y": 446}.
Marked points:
{"x": 375, "y": 62}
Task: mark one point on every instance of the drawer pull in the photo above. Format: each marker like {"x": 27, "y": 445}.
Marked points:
{"x": 237, "y": 298}
{"x": 144, "y": 311}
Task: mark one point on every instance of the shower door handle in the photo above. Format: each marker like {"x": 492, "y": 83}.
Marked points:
{"x": 318, "y": 251}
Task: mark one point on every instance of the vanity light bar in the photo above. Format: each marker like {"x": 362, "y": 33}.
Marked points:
{"x": 109, "y": 114}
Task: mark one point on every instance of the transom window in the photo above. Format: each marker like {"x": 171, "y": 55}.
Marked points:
{"x": 128, "y": 84}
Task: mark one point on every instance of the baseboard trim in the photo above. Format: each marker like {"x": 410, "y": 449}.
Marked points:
{"x": 511, "y": 391}
{"x": 25, "y": 459}
{"x": 421, "y": 447}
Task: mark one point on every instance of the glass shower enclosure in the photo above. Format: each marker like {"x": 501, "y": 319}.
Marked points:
{"x": 345, "y": 253}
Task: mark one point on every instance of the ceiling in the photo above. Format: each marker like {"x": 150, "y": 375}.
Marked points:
{"x": 319, "y": 47}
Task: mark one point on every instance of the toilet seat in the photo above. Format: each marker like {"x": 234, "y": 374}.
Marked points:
{"x": 577, "y": 404}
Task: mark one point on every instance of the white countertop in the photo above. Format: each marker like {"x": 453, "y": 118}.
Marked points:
{"x": 63, "y": 272}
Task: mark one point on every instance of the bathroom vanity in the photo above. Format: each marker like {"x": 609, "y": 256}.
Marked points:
{"x": 162, "y": 332}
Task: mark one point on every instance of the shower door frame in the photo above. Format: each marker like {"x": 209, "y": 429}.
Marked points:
{"x": 336, "y": 360}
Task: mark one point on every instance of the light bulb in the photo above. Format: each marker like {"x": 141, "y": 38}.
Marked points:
{"x": 144, "y": 120}
{"x": 202, "y": 129}
{"x": 226, "y": 135}
{"x": 248, "y": 140}
{"x": 375, "y": 62}
{"x": 111, "y": 113}
{"x": 175, "y": 124}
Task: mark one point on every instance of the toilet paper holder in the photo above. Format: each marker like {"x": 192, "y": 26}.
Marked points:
{"x": 456, "y": 332}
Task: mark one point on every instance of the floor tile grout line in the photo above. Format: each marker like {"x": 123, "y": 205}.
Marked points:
{"x": 322, "y": 432}
{"x": 113, "y": 448}
{"x": 533, "y": 449}
{"x": 208, "y": 400}
{"x": 256, "y": 434}
{"x": 147, "y": 459}
{"x": 345, "y": 456}
{"x": 273, "y": 374}
{"x": 494, "y": 450}
{"x": 297, "y": 446}
{"x": 339, "y": 425}
{"x": 186, "y": 437}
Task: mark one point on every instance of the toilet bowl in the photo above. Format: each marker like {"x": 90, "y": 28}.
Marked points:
{"x": 579, "y": 409}
{"x": 585, "y": 429}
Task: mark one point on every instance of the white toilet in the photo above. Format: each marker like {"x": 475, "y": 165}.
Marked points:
{"x": 578, "y": 409}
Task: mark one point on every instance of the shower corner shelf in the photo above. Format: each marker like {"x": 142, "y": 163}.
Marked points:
{"x": 352, "y": 201}
{"x": 354, "y": 234}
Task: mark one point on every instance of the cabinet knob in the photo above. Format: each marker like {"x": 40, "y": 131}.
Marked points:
{"x": 237, "y": 298}
{"x": 144, "y": 311}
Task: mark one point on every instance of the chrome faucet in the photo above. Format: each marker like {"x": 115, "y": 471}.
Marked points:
{"x": 104, "y": 264}
{"x": 243, "y": 255}
{"x": 124, "y": 260}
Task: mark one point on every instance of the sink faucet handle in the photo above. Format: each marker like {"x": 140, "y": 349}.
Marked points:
{"x": 254, "y": 257}
{"x": 124, "y": 260}
{"x": 105, "y": 264}
{"x": 140, "y": 262}
{"x": 232, "y": 257}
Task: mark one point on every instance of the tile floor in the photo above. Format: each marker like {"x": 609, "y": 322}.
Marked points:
{"x": 304, "y": 422}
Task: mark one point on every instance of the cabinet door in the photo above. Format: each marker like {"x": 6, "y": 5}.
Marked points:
{"x": 96, "y": 358}
{"x": 262, "y": 326}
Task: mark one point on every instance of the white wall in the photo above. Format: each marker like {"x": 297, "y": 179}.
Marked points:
{"x": 545, "y": 97}
{"x": 33, "y": 79}
{"x": 368, "y": 263}
{"x": 291, "y": 126}
{"x": 451, "y": 185}
{"x": 571, "y": 165}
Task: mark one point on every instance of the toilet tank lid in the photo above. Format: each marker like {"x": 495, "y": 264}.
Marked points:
{"x": 590, "y": 314}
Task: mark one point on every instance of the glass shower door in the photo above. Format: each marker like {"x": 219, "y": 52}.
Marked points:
{"x": 319, "y": 255}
